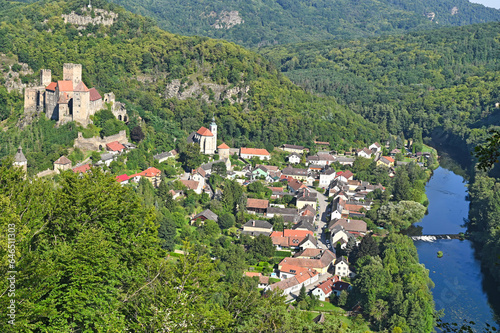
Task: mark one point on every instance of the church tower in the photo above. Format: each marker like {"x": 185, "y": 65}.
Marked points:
{"x": 213, "y": 129}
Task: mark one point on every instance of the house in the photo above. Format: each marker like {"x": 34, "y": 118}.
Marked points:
{"x": 82, "y": 168}
{"x": 207, "y": 214}
{"x": 295, "y": 185}
{"x": 326, "y": 177}
{"x": 365, "y": 152}
{"x": 123, "y": 179}
{"x": 289, "y": 238}
{"x": 395, "y": 151}
{"x": 352, "y": 226}
{"x": 193, "y": 185}
{"x": 295, "y": 283}
{"x": 152, "y": 174}
{"x": 254, "y": 228}
{"x": 342, "y": 267}
{"x": 223, "y": 151}
{"x": 313, "y": 259}
{"x": 303, "y": 225}
{"x": 298, "y": 174}
{"x": 306, "y": 197}
{"x": 162, "y": 157}
{"x": 106, "y": 159}
{"x": 323, "y": 290}
{"x": 198, "y": 175}
{"x": 263, "y": 280}
{"x": 248, "y": 153}
{"x": 176, "y": 193}
{"x": 308, "y": 210}
{"x": 257, "y": 206}
{"x": 62, "y": 164}
{"x": 340, "y": 286}
{"x": 386, "y": 161}
{"x": 310, "y": 242}
{"x": 338, "y": 235}
{"x": 273, "y": 211}
{"x": 293, "y": 148}
{"x": 294, "y": 158}
{"x": 259, "y": 171}
{"x": 345, "y": 176}
{"x": 115, "y": 147}
{"x": 344, "y": 160}
{"x": 375, "y": 147}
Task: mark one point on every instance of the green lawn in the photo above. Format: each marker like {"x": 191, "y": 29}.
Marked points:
{"x": 328, "y": 307}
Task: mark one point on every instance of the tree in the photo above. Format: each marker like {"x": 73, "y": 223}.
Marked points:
{"x": 367, "y": 247}
{"x": 95, "y": 157}
{"x": 136, "y": 134}
{"x": 262, "y": 246}
{"x": 302, "y": 294}
{"x": 226, "y": 221}
{"x": 167, "y": 233}
{"x": 191, "y": 157}
{"x": 488, "y": 153}
{"x": 342, "y": 299}
{"x": 402, "y": 188}
{"x": 397, "y": 216}
{"x": 220, "y": 169}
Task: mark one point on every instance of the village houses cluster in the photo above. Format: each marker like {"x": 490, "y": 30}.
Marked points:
{"x": 312, "y": 229}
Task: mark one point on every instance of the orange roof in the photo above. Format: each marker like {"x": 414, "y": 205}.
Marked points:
{"x": 65, "y": 85}
{"x": 115, "y": 146}
{"x": 82, "y": 168}
{"x": 296, "y": 233}
{"x": 203, "y": 131}
{"x": 257, "y": 203}
{"x": 353, "y": 208}
{"x": 390, "y": 159}
{"x": 252, "y": 274}
{"x": 254, "y": 151}
{"x": 150, "y": 172}
{"x": 223, "y": 146}
{"x": 51, "y": 86}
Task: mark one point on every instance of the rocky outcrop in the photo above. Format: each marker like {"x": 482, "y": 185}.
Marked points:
{"x": 430, "y": 15}
{"x": 204, "y": 90}
{"x": 12, "y": 79}
{"x": 225, "y": 19}
{"x": 454, "y": 11}
{"x": 94, "y": 16}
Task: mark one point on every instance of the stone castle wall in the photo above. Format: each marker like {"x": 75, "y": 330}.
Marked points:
{"x": 98, "y": 143}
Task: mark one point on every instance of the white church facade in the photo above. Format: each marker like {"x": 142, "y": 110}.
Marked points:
{"x": 206, "y": 138}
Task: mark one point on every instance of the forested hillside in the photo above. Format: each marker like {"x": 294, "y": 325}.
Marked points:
{"x": 255, "y": 104}
{"x": 262, "y": 22}
{"x": 412, "y": 83}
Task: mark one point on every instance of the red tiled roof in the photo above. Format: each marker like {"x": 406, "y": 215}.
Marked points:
{"x": 257, "y": 203}
{"x": 94, "y": 94}
{"x": 122, "y": 178}
{"x": 65, "y": 85}
{"x": 252, "y": 274}
{"x": 81, "y": 87}
{"x": 296, "y": 233}
{"x": 203, "y": 131}
{"x": 390, "y": 159}
{"x": 82, "y": 168}
{"x": 150, "y": 172}
{"x": 115, "y": 146}
{"x": 190, "y": 184}
{"x": 63, "y": 160}
{"x": 254, "y": 151}
{"x": 346, "y": 174}
{"x": 223, "y": 146}
{"x": 52, "y": 86}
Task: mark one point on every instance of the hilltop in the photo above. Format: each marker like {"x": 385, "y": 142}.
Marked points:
{"x": 259, "y": 23}
{"x": 174, "y": 84}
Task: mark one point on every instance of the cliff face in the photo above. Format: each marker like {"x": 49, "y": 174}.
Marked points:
{"x": 205, "y": 90}
{"x": 87, "y": 15}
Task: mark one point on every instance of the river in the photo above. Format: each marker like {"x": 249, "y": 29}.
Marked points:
{"x": 462, "y": 290}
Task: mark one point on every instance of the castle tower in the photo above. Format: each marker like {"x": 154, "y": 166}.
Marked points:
{"x": 45, "y": 77}
{"x": 20, "y": 160}
{"x": 72, "y": 72}
{"x": 62, "y": 104}
{"x": 81, "y": 101}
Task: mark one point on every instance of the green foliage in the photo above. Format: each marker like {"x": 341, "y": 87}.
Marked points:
{"x": 398, "y": 216}
{"x": 394, "y": 288}
{"x": 191, "y": 157}
{"x": 291, "y": 21}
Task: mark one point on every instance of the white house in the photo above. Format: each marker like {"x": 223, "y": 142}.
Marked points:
{"x": 375, "y": 147}
{"x": 342, "y": 267}
{"x": 248, "y": 153}
{"x": 294, "y": 158}
{"x": 324, "y": 290}
{"x": 365, "y": 152}
{"x": 326, "y": 177}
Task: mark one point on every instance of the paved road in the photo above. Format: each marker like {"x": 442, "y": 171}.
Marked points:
{"x": 323, "y": 220}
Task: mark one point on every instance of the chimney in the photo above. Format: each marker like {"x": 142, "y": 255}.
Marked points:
{"x": 253, "y": 223}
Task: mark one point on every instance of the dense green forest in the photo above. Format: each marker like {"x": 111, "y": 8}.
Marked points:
{"x": 273, "y": 111}
{"x": 409, "y": 83}
{"x": 268, "y": 22}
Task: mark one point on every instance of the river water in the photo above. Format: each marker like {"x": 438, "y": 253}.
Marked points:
{"x": 462, "y": 290}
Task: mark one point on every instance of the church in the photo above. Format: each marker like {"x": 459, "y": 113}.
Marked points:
{"x": 206, "y": 138}
{"x": 68, "y": 99}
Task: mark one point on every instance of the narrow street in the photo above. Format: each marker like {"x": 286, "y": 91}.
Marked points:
{"x": 323, "y": 218}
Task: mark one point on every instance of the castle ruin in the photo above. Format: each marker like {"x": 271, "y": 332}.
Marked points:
{"x": 69, "y": 99}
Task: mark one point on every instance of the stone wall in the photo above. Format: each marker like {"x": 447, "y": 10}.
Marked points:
{"x": 98, "y": 143}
